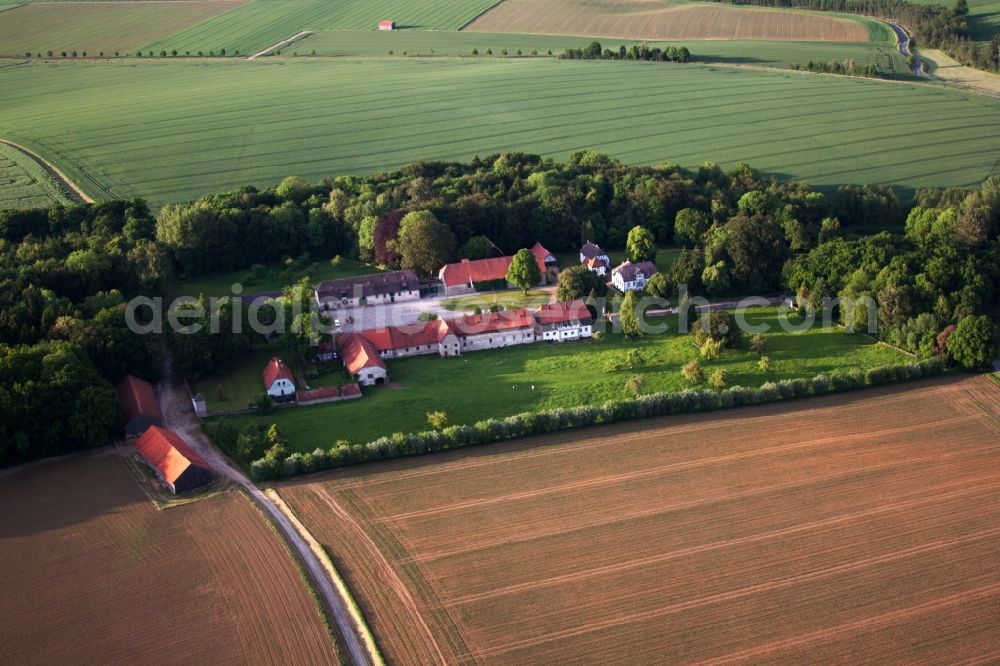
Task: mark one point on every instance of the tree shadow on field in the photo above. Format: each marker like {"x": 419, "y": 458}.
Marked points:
{"x": 57, "y": 493}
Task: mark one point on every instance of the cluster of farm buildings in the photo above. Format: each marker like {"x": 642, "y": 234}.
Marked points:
{"x": 364, "y": 353}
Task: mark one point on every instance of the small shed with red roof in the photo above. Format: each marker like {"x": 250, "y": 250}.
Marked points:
{"x": 387, "y": 25}
{"x": 175, "y": 463}
{"x": 139, "y": 404}
{"x": 279, "y": 382}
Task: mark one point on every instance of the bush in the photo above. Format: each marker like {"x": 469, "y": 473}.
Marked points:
{"x": 635, "y": 385}
{"x": 764, "y": 364}
{"x": 710, "y": 349}
{"x": 758, "y": 343}
{"x": 718, "y": 379}
{"x": 692, "y": 372}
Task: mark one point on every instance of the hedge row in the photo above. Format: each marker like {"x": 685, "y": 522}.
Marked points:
{"x": 540, "y": 423}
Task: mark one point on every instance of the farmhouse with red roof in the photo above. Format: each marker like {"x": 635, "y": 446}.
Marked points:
{"x": 362, "y": 359}
{"x": 559, "y": 322}
{"x": 175, "y": 463}
{"x": 463, "y": 276}
{"x": 139, "y": 404}
{"x": 279, "y": 382}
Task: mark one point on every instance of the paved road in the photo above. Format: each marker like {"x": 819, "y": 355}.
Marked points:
{"x": 903, "y": 43}
{"x": 180, "y": 417}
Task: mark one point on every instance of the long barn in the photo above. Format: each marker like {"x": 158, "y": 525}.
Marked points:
{"x": 177, "y": 465}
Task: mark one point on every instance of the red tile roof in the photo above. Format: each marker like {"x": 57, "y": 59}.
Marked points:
{"x": 167, "y": 453}
{"x": 402, "y": 337}
{"x": 275, "y": 370}
{"x": 321, "y": 393}
{"x": 595, "y": 262}
{"x": 386, "y": 24}
{"x": 541, "y": 254}
{"x": 350, "y": 390}
{"x": 138, "y": 399}
{"x": 489, "y": 322}
{"x": 555, "y": 313}
{"x": 486, "y": 270}
{"x": 358, "y": 352}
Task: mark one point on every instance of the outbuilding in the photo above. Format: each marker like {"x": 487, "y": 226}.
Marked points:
{"x": 387, "y": 25}
{"x": 279, "y": 382}
{"x": 175, "y": 463}
{"x": 139, "y": 404}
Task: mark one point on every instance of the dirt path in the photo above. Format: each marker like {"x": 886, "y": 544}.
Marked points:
{"x": 75, "y": 191}
{"x": 283, "y": 43}
{"x": 180, "y": 417}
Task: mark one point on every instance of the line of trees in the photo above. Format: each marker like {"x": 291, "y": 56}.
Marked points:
{"x": 846, "y": 67}
{"x": 273, "y": 465}
{"x": 594, "y": 51}
{"x": 932, "y": 25}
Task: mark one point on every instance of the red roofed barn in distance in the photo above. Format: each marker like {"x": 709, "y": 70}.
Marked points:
{"x": 139, "y": 405}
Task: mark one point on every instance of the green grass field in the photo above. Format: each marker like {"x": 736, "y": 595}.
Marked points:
{"x": 24, "y": 184}
{"x": 95, "y": 27}
{"x": 171, "y": 131}
{"x": 499, "y": 382}
{"x": 272, "y": 279}
{"x": 238, "y": 387}
{"x": 260, "y": 23}
{"x": 427, "y": 43}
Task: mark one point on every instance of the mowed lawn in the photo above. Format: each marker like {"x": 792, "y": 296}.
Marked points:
{"x": 99, "y": 27}
{"x": 170, "y": 131}
{"x": 261, "y": 23}
{"x": 24, "y": 184}
{"x": 440, "y": 43}
{"x": 502, "y": 382}
{"x": 857, "y": 528}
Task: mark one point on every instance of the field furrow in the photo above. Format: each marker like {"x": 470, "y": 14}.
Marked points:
{"x": 857, "y": 528}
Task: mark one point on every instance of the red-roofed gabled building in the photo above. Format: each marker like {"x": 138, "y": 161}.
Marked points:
{"x": 139, "y": 404}
{"x": 175, "y": 463}
{"x": 387, "y": 25}
{"x": 362, "y": 359}
{"x": 491, "y": 330}
{"x": 559, "y": 322}
{"x": 463, "y": 276}
{"x": 279, "y": 382}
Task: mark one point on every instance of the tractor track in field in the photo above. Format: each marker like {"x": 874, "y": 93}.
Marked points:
{"x": 75, "y": 191}
{"x": 280, "y": 45}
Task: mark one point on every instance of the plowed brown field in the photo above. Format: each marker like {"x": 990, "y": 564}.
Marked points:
{"x": 843, "y": 529}
{"x": 92, "y": 572}
{"x": 655, "y": 19}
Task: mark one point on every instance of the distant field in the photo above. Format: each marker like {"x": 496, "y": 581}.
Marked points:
{"x": 655, "y": 19}
{"x": 947, "y": 68}
{"x": 171, "y": 131}
{"x": 482, "y": 384}
{"x": 24, "y": 184}
{"x": 261, "y": 23}
{"x": 93, "y": 572}
{"x": 860, "y": 528}
{"x": 769, "y": 53}
{"x": 93, "y": 27}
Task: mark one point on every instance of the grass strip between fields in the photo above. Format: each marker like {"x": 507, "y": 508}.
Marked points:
{"x": 360, "y": 626}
